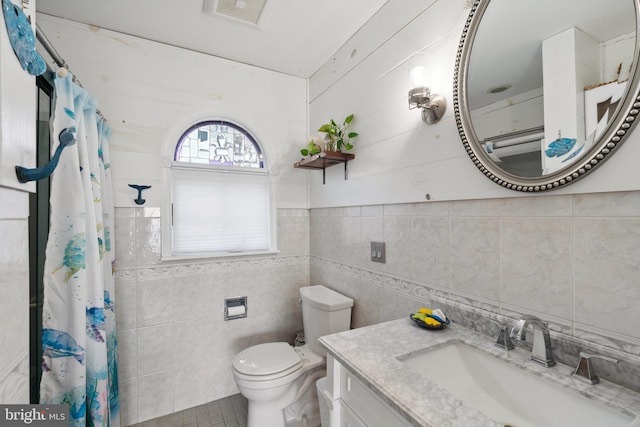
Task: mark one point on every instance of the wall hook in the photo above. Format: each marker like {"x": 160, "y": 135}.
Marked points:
{"x": 66, "y": 139}
{"x": 139, "y": 200}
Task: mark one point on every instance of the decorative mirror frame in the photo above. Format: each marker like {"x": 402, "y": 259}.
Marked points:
{"x": 613, "y": 137}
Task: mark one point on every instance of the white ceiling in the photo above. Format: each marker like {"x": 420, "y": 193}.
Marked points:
{"x": 295, "y": 37}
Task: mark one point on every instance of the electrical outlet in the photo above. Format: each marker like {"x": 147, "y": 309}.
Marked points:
{"x": 378, "y": 252}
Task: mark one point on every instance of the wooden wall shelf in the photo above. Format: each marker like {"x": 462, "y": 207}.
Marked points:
{"x": 324, "y": 160}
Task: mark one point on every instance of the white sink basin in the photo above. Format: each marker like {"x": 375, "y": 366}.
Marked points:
{"x": 509, "y": 395}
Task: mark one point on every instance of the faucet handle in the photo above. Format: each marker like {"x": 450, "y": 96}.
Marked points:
{"x": 585, "y": 371}
{"x": 504, "y": 339}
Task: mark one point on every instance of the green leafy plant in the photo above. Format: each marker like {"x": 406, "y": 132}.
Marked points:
{"x": 311, "y": 149}
{"x": 338, "y": 135}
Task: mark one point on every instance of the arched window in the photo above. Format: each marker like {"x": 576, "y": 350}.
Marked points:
{"x": 220, "y": 193}
{"x": 219, "y": 143}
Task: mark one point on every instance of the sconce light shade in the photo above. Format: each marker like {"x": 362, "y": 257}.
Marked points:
{"x": 433, "y": 106}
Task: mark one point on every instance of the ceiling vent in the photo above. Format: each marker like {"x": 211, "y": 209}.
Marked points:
{"x": 243, "y": 10}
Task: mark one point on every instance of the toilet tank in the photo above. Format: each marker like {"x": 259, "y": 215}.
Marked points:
{"x": 324, "y": 312}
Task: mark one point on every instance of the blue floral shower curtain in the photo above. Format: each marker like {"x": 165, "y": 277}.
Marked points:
{"x": 79, "y": 333}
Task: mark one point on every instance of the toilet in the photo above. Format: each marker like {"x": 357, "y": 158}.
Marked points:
{"x": 278, "y": 380}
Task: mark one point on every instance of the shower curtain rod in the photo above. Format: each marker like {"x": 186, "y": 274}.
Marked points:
{"x": 60, "y": 62}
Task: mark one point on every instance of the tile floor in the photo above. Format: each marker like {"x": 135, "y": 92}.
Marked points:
{"x": 227, "y": 412}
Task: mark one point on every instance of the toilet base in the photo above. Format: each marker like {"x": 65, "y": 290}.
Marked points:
{"x": 304, "y": 411}
{"x": 265, "y": 415}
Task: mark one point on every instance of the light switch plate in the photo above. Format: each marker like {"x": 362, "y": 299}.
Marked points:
{"x": 378, "y": 252}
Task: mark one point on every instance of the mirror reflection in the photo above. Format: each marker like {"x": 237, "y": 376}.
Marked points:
{"x": 545, "y": 78}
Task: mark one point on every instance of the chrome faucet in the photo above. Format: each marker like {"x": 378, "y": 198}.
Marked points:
{"x": 541, "y": 351}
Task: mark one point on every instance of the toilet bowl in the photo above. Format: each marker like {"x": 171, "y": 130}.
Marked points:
{"x": 278, "y": 380}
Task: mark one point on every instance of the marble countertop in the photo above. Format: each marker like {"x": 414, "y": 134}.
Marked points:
{"x": 372, "y": 354}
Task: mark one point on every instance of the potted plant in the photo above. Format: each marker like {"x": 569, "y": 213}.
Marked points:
{"x": 337, "y": 138}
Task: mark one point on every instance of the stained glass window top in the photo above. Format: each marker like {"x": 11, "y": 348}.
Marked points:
{"x": 219, "y": 143}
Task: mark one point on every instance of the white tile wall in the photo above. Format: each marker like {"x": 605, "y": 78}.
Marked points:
{"x": 430, "y": 240}
{"x": 174, "y": 347}
{"x": 155, "y": 395}
{"x": 573, "y": 260}
{"x": 476, "y": 268}
{"x": 606, "y": 275}
{"x": 536, "y": 254}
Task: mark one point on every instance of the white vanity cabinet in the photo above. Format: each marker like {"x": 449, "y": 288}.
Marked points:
{"x": 354, "y": 404}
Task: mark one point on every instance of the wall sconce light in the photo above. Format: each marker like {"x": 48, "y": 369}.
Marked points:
{"x": 433, "y": 105}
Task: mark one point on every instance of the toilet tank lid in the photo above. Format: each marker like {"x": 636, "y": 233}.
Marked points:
{"x": 324, "y": 298}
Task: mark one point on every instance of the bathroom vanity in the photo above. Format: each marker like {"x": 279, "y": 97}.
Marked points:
{"x": 353, "y": 404}
{"x": 397, "y": 374}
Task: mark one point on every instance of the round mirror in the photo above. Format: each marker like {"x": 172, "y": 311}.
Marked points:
{"x": 546, "y": 91}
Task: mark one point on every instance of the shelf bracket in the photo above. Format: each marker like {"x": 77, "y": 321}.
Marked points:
{"x": 346, "y": 176}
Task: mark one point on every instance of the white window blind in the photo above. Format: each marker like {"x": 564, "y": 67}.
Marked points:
{"x": 219, "y": 211}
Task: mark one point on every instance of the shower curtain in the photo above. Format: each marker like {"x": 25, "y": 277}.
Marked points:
{"x": 79, "y": 334}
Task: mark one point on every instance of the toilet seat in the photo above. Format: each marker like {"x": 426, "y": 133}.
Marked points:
{"x": 264, "y": 362}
